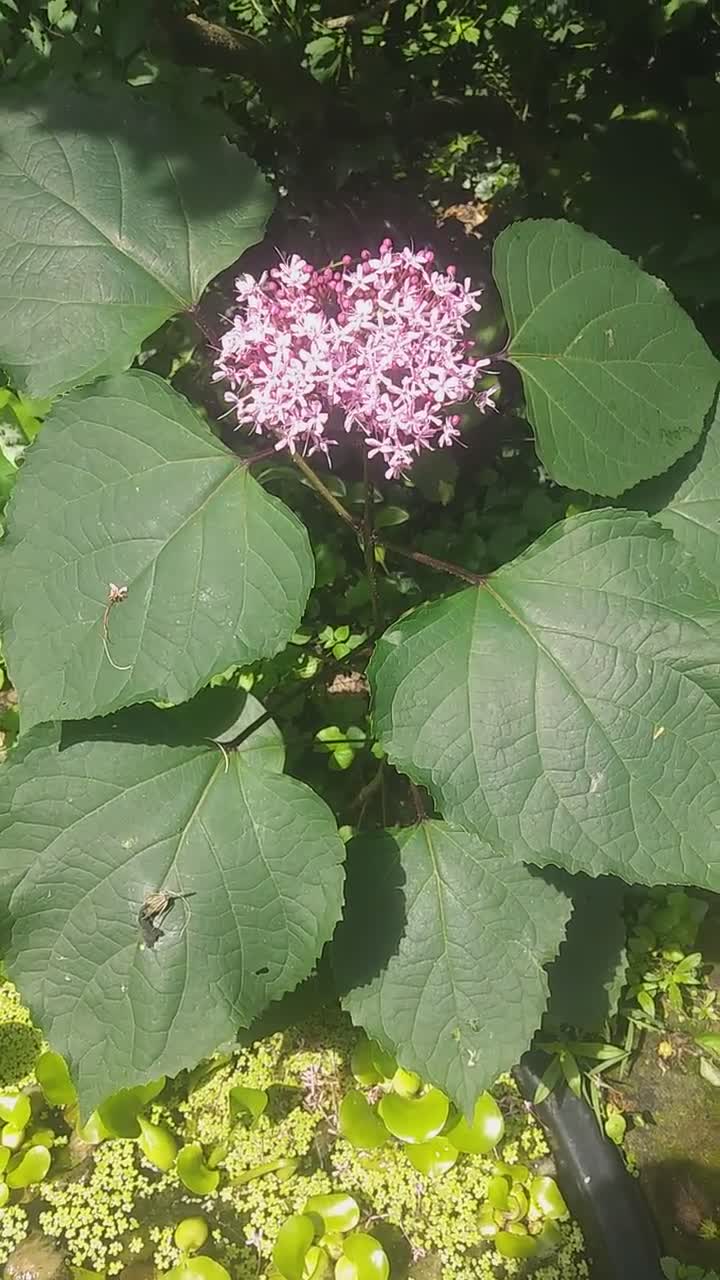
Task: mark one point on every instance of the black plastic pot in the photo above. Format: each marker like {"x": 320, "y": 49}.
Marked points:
{"x": 607, "y": 1202}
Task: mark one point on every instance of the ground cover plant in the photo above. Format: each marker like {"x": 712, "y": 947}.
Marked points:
{"x": 358, "y": 586}
{"x": 306, "y": 1152}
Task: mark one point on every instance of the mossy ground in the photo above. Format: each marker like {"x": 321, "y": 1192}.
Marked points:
{"x": 677, "y": 1153}
{"x": 108, "y": 1210}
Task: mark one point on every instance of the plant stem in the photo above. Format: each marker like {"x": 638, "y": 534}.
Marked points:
{"x": 260, "y": 456}
{"x": 324, "y": 492}
{"x": 442, "y": 566}
{"x": 368, "y": 542}
{"x": 209, "y": 334}
{"x": 418, "y": 802}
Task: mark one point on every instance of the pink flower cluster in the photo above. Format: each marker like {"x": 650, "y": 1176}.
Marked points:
{"x": 378, "y": 347}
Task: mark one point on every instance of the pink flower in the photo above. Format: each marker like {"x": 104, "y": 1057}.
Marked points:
{"x": 380, "y": 345}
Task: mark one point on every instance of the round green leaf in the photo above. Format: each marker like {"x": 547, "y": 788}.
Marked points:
{"x": 510, "y": 1244}
{"x": 126, "y": 489}
{"x": 406, "y": 1083}
{"x": 498, "y": 1192}
{"x": 12, "y": 1138}
{"x": 363, "y": 1259}
{"x": 94, "y": 1131}
{"x": 114, "y": 822}
{"x": 51, "y": 1073}
{"x": 15, "y": 1109}
{"x": 362, "y": 1064}
{"x": 119, "y": 1114}
{"x": 4, "y": 1194}
{"x": 293, "y": 1241}
{"x": 5, "y": 1155}
{"x": 247, "y": 1102}
{"x": 414, "y": 1119}
{"x": 194, "y": 1173}
{"x": 435, "y": 922}
{"x": 157, "y": 1144}
{"x": 617, "y": 379}
{"x": 565, "y": 710}
{"x": 337, "y": 1211}
{"x": 550, "y": 1237}
{"x": 383, "y": 1061}
{"x": 191, "y": 1234}
{"x": 317, "y": 1264}
{"x": 547, "y": 1198}
{"x": 433, "y": 1158}
{"x": 484, "y": 1133}
{"x": 148, "y": 1092}
{"x": 31, "y": 1168}
{"x": 615, "y": 1127}
{"x": 199, "y": 1268}
{"x": 359, "y": 1123}
{"x": 134, "y": 210}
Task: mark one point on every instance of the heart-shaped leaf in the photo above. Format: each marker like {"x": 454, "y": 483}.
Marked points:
{"x": 126, "y": 978}
{"x": 691, "y": 506}
{"x": 441, "y": 954}
{"x": 114, "y": 215}
{"x": 561, "y": 710}
{"x": 618, "y": 380}
{"x": 141, "y": 557}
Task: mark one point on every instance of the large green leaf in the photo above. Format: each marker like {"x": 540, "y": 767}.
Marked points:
{"x": 125, "y": 485}
{"x": 692, "y": 505}
{"x": 617, "y": 379}
{"x": 89, "y": 831}
{"x": 441, "y": 952}
{"x": 113, "y": 217}
{"x": 564, "y": 708}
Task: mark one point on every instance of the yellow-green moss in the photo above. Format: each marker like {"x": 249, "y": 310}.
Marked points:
{"x": 13, "y": 1229}
{"x": 122, "y": 1208}
{"x": 20, "y": 1043}
{"x": 91, "y": 1216}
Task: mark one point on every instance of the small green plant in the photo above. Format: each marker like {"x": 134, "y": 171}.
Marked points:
{"x": 663, "y": 970}
{"x": 674, "y": 1270}
{"x": 709, "y": 1045}
{"x": 581, "y": 1064}
{"x": 324, "y": 1234}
